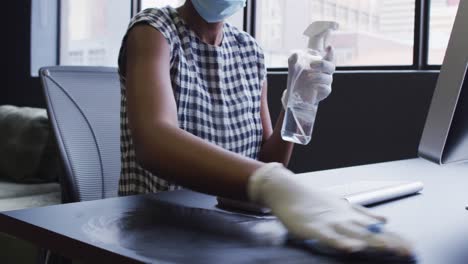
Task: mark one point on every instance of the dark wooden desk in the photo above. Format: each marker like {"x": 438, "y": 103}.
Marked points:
{"x": 186, "y": 227}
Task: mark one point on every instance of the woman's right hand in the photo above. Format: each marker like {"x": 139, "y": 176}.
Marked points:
{"x": 311, "y": 214}
{"x": 307, "y": 69}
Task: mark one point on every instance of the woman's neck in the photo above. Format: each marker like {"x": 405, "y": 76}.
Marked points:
{"x": 210, "y": 33}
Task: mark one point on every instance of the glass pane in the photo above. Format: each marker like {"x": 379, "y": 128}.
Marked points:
{"x": 92, "y": 30}
{"x": 372, "y": 32}
{"x": 442, "y": 16}
{"x": 236, "y": 20}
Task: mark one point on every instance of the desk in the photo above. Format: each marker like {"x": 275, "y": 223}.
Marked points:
{"x": 168, "y": 227}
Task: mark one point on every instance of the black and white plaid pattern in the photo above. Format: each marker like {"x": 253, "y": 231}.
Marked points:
{"x": 217, "y": 91}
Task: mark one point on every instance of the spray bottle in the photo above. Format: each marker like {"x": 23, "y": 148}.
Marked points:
{"x": 302, "y": 103}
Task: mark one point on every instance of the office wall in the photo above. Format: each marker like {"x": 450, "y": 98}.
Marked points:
{"x": 369, "y": 117}
{"x": 21, "y": 88}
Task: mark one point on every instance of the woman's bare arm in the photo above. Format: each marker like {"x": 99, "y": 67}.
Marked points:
{"x": 274, "y": 148}
{"x": 161, "y": 146}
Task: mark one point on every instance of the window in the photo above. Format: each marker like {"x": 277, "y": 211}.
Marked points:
{"x": 330, "y": 10}
{"x": 237, "y": 19}
{"x": 372, "y": 32}
{"x": 91, "y": 31}
{"x": 316, "y": 9}
{"x": 442, "y": 17}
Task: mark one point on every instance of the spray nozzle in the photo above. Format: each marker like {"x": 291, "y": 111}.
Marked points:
{"x": 318, "y": 33}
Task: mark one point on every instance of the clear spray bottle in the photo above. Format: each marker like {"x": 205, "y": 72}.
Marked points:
{"x": 302, "y": 103}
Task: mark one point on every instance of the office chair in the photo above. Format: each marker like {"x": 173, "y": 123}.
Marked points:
{"x": 83, "y": 104}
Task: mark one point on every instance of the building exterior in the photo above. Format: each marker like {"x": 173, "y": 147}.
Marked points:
{"x": 372, "y": 32}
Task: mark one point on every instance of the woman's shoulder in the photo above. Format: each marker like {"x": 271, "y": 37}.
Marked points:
{"x": 163, "y": 20}
{"x": 154, "y": 15}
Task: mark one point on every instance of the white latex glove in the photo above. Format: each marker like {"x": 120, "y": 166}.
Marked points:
{"x": 311, "y": 214}
{"x": 304, "y": 72}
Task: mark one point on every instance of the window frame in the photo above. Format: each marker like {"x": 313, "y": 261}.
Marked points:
{"x": 420, "y": 43}
{"x": 59, "y": 33}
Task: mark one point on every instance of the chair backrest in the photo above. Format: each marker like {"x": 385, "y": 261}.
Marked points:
{"x": 83, "y": 104}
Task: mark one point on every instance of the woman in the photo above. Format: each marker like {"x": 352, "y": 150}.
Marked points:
{"x": 195, "y": 114}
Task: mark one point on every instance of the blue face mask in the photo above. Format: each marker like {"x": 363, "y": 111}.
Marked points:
{"x": 217, "y": 10}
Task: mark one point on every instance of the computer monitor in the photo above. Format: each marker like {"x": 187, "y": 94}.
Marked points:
{"x": 445, "y": 136}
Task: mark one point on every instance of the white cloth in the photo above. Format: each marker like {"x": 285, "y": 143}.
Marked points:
{"x": 313, "y": 214}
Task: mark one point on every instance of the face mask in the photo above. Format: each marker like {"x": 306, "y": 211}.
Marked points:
{"x": 217, "y": 10}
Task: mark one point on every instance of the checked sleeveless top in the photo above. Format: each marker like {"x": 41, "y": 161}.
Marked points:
{"x": 217, "y": 90}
